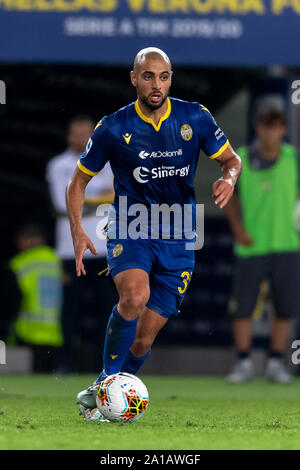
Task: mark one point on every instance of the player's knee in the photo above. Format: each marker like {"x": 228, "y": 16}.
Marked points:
{"x": 133, "y": 302}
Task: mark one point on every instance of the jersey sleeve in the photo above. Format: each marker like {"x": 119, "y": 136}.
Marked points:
{"x": 96, "y": 153}
{"x": 213, "y": 139}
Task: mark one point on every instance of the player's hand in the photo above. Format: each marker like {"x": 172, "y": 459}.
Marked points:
{"x": 243, "y": 238}
{"x": 222, "y": 191}
{"x": 82, "y": 243}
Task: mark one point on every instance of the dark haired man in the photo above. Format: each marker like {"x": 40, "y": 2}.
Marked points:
{"x": 267, "y": 243}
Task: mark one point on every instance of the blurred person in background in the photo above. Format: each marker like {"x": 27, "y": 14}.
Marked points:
{"x": 38, "y": 271}
{"x": 262, "y": 219}
{"x": 80, "y": 318}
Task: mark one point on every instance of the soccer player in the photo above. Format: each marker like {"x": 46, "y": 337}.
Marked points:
{"x": 153, "y": 146}
{"x": 262, "y": 218}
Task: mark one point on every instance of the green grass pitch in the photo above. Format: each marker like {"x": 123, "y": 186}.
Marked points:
{"x": 39, "y": 412}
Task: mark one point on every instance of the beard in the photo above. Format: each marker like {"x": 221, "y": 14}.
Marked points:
{"x": 151, "y": 106}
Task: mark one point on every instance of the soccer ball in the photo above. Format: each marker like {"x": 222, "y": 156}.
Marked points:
{"x": 122, "y": 397}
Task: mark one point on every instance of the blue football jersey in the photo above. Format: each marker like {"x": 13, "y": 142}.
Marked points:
{"x": 154, "y": 164}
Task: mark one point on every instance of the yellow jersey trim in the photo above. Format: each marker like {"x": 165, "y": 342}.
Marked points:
{"x": 99, "y": 124}
{"x": 149, "y": 120}
{"x": 221, "y": 150}
{"x": 86, "y": 170}
{"x": 205, "y": 109}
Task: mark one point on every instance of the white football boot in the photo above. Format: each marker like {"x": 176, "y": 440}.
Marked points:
{"x": 87, "y": 398}
{"x": 87, "y": 403}
{"x": 92, "y": 415}
{"x": 277, "y": 372}
{"x": 241, "y": 372}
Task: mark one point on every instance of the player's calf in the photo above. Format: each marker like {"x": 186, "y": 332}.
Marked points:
{"x": 141, "y": 346}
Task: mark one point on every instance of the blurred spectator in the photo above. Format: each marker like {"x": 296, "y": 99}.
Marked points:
{"x": 39, "y": 274}
{"x": 88, "y": 299}
{"x": 262, "y": 219}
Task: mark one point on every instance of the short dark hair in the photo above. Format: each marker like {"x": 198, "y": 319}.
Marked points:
{"x": 270, "y": 115}
{"x": 31, "y": 230}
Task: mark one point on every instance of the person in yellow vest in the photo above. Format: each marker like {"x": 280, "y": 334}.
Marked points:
{"x": 38, "y": 270}
{"x": 262, "y": 219}
{"x": 10, "y": 296}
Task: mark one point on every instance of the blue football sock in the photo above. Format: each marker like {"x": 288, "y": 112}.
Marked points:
{"x": 132, "y": 363}
{"x": 120, "y": 334}
{"x": 100, "y": 377}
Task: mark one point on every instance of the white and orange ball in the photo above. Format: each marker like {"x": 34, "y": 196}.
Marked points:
{"x": 122, "y": 397}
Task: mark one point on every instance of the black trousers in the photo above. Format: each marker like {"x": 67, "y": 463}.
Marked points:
{"x": 88, "y": 302}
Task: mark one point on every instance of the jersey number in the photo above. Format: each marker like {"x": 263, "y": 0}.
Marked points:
{"x": 186, "y": 277}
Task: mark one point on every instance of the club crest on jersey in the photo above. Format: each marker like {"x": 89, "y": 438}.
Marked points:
{"x": 127, "y": 137}
{"x": 186, "y": 132}
{"x": 118, "y": 249}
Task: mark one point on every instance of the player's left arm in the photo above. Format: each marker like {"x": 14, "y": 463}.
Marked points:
{"x": 231, "y": 166}
{"x": 217, "y": 147}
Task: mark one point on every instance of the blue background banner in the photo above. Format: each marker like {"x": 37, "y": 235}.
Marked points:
{"x": 195, "y": 32}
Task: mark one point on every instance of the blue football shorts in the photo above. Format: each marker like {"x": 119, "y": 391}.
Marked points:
{"x": 169, "y": 266}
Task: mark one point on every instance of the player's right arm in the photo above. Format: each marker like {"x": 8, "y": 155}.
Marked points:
{"x": 91, "y": 162}
{"x": 74, "y": 201}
